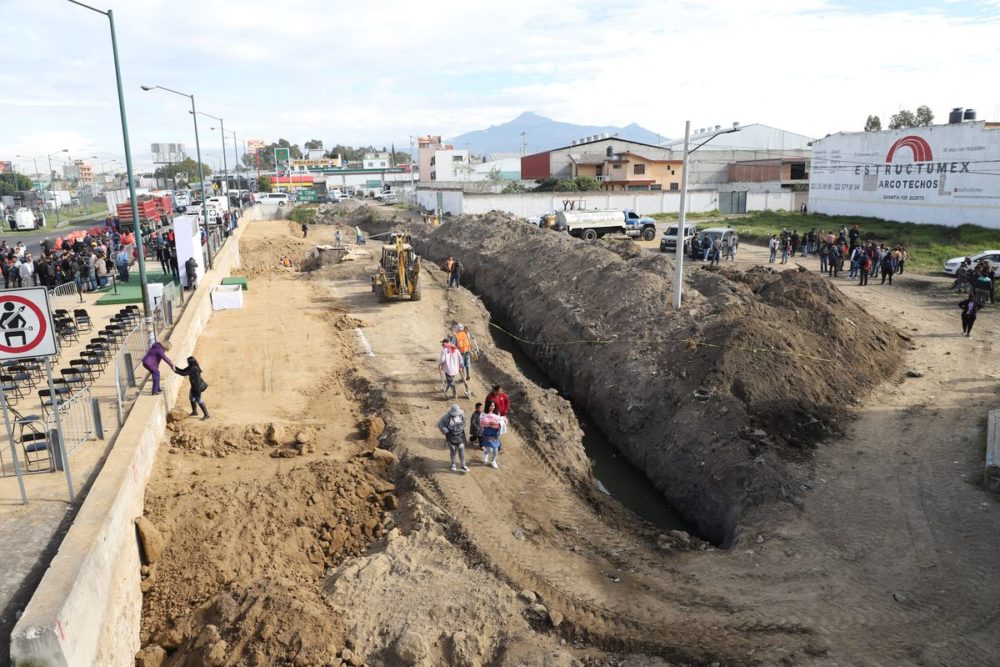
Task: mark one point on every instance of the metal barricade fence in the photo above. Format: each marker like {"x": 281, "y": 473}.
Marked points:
{"x": 77, "y": 417}
{"x": 64, "y": 296}
{"x": 128, "y": 361}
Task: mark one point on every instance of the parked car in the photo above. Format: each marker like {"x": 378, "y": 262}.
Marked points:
{"x": 695, "y": 251}
{"x": 279, "y": 198}
{"x": 993, "y": 256}
{"x": 668, "y": 242}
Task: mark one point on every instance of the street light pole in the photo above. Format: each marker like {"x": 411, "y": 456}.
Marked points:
{"x": 52, "y": 183}
{"x": 147, "y": 309}
{"x": 201, "y": 167}
{"x": 679, "y": 251}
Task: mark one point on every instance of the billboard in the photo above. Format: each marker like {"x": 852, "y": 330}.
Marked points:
{"x": 942, "y": 174}
{"x": 282, "y": 159}
{"x": 254, "y": 145}
{"x": 167, "y": 153}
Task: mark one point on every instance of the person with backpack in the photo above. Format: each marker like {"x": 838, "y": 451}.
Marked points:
{"x": 452, "y": 427}
{"x": 864, "y": 267}
{"x": 824, "y": 252}
{"x": 832, "y": 259}
{"x": 198, "y": 386}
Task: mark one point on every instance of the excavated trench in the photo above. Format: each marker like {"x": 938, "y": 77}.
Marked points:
{"x": 719, "y": 404}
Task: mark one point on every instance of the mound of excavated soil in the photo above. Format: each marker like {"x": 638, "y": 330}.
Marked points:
{"x": 243, "y": 559}
{"x": 263, "y": 254}
{"x": 717, "y": 403}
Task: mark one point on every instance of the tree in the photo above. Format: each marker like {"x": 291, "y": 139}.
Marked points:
{"x": 186, "y": 166}
{"x": 266, "y": 154}
{"x": 264, "y": 184}
{"x": 313, "y": 144}
{"x": 906, "y": 118}
{"x": 11, "y": 182}
{"x": 587, "y": 184}
{"x": 924, "y": 116}
{"x": 873, "y": 124}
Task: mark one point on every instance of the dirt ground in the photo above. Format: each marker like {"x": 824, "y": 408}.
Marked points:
{"x": 292, "y": 536}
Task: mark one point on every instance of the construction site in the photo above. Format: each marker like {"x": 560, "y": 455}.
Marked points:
{"x": 782, "y": 472}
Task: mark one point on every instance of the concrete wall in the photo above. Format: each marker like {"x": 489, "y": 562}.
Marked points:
{"x": 532, "y": 203}
{"x": 86, "y": 610}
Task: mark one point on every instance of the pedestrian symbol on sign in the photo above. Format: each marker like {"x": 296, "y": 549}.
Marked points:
{"x": 14, "y": 326}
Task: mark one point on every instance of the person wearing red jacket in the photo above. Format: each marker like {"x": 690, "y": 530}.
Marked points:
{"x": 501, "y": 399}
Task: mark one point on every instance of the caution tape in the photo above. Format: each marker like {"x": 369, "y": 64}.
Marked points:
{"x": 689, "y": 341}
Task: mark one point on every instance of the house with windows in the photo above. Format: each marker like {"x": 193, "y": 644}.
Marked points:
{"x": 619, "y": 164}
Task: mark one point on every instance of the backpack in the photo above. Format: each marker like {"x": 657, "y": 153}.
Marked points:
{"x": 455, "y": 434}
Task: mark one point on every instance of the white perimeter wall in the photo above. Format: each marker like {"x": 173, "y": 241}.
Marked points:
{"x": 528, "y": 204}
{"x": 943, "y": 174}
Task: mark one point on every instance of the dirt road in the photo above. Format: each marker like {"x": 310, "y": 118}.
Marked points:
{"x": 884, "y": 557}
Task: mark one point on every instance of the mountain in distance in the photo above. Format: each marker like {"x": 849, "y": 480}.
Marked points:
{"x": 542, "y": 134}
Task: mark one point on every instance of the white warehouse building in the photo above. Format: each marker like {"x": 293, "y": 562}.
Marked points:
{"x": 941, "y": 174}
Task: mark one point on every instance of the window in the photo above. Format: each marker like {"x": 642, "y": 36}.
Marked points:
{"x": 616, "y": 166}
{"x": 673, "y": 186}
{"x": 456, "y": 158}
{"x": 639, "y": 169}
{"x": 609, "y": 152}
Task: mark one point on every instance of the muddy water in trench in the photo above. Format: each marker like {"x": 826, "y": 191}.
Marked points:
{"x": 622, "y": 481}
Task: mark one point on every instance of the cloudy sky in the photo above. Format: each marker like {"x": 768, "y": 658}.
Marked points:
{"x": 378, "y": 72}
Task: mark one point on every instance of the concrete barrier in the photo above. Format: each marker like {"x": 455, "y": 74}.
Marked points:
{"x": 86, "y": 610}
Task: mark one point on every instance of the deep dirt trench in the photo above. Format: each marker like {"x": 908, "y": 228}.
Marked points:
{"x": 719, "y": 404}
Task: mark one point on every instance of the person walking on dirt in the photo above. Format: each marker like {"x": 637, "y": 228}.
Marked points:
{"x": 501, "y": 399}
{"x": 455, "y": 274}
{"x": 464, "y": 345}
{"x": 448, "y": 263}
{"x": 969, "y": 309}
{"x": 824, "y": 252}
{"x": 198, "y": 386}
{"x": 151, "y": 362}
{"x": 359, "y": 238}
{"x": 773, "y": 247}
{"x": 452, "y": 427}
{"x": 491, "y": 422}
{"x": 832, "y": 259}
{"x": 305, "y": 230}
{"x": 475, "y": 429}
{"x": 450, "y": 363}
{"x": 338, "y": 239}
{"x": 786, "y": 246}
{"x": 864, "y": 268}
{"x": 888, "y": 267}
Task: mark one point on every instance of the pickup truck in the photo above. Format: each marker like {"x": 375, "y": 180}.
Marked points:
{"x": 591, "y": 224}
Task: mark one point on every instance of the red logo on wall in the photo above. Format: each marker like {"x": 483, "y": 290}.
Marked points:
{"x": 920, "y": 149}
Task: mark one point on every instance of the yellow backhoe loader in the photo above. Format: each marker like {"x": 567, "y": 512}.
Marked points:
{"x": 398, "y": 274}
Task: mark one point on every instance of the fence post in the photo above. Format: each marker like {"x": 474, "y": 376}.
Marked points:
{"x": 129, "y": 370}
{"x": 95, "y": 405}
{"x": 168, "y": 311}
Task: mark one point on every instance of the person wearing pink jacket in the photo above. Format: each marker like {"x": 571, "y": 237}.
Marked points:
{"x": 450, "y": 363}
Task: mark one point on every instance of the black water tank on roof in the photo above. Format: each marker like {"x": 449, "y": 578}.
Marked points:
{"x": 955, "y": 116}
{"x": 970, "y": 114}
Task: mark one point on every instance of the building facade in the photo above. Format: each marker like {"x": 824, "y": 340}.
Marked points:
{"x": 450, "y": 165}
{"x": 620, "y": 164}
{"x": 942, "y": 174}
{"x": 426, "y": 147}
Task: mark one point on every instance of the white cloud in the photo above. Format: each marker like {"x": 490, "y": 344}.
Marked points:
{"x": 380, "y": 72}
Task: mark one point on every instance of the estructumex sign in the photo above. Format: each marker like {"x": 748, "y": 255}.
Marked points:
{"x": 944, "y": 174}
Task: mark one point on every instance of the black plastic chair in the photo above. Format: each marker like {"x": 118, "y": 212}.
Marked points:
{"x": 83, "y": 321}
{"x": 34, "y": 442}
{"x": 74, "y": 377}
{"x": 85, "y": 367}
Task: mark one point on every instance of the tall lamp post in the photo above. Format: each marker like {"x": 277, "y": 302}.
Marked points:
{"x": 236, "y": 154}
{"x": 222, "y": 133}
{"x": 201, "y": 169}
{"x": 147, "y": 310}
{"x": 679, "y": 251}
{"x": 52, "y": 182}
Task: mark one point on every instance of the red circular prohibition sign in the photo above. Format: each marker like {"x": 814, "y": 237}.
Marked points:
{"x": 41, "y": 325}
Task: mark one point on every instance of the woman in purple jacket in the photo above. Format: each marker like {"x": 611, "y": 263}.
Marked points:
{"x": 151, "y": 362}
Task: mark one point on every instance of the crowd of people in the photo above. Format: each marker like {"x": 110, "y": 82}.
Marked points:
{"x": 864, "y": 260}
{"x": 488, "y": 421}
{"x": 89, "y": 259}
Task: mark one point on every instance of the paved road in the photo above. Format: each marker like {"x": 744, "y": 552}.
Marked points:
{"x": 32, "y": 240}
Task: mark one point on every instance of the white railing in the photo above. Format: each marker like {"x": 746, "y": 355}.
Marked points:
{"x": 64, "y": 296}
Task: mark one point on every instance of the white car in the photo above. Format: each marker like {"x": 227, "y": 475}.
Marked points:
{"x": 992, "y": 256}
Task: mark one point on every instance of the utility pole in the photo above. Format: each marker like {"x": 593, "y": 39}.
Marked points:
{"x": 679, "y": 250}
